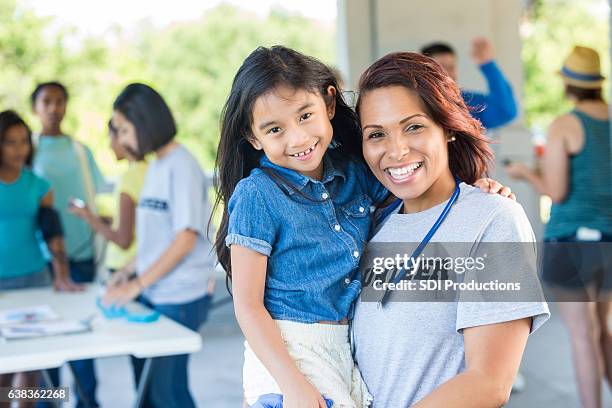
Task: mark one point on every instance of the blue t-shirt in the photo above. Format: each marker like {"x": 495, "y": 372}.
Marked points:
{"x": 314, "y": 237}
{"x": 57, "y": 161}
{"x": 20, "y": 252}
{"x": 496, "y": 108}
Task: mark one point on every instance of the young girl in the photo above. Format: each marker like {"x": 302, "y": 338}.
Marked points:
{"x": 173, "y": 260}
{"x": 120, "y": 235}
{"x": 26, "y": 203}
{"x": 71, "y": 169}
{"x": 292, "y": 233}
{"x": 421, "y": 350}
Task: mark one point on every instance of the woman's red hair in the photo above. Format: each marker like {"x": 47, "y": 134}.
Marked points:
{"x": 469, "y": 156}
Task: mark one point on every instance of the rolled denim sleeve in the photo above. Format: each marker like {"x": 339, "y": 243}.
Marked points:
{"x": 251, "y": 224}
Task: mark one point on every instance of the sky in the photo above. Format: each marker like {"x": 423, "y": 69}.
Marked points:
{"x": 95, "y": 17}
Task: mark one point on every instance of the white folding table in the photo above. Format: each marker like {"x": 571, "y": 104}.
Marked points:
{"x": 107, "y": 337}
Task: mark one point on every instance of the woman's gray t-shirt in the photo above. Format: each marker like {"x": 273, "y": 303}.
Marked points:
{"x": 174, "y": 198}
{"x": 407, "y": 349}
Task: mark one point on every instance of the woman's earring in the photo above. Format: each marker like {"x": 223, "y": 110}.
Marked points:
{"x": 452, "y": 139}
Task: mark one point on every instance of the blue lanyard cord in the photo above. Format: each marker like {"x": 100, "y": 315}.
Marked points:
{"x": 402, "y": 272}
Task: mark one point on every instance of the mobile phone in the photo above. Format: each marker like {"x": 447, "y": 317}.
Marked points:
{"x": 77, "y": 202}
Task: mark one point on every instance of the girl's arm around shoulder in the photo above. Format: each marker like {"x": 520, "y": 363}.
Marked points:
{"x": 262, "y": 334}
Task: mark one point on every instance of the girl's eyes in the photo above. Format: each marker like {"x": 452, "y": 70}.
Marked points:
{"x": 273, "y": 130}
{"x": 305, "y": 116}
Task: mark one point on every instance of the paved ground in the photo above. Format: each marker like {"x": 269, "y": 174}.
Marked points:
{"x": 216, "y": 370}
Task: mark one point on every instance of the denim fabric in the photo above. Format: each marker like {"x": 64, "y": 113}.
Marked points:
{"x": 169, "y": 383}
{"x": 276, "y": 401}
{"x": 312, "y": 231}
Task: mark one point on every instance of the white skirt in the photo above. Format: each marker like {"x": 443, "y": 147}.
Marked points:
{"x": 323, "y": 354}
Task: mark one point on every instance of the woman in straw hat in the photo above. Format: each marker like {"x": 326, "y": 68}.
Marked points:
{"x": 577, "y": 175}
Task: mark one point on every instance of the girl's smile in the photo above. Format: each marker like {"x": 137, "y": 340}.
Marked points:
{"x": 306, "y": 154}
{"x": 293, "y": 128}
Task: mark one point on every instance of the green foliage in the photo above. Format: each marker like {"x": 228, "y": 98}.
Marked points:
{"x": 550, "y": 30}
{"x": 191, "y": 64}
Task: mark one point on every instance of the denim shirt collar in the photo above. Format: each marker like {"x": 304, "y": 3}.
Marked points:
{"x": 300, "y": 181}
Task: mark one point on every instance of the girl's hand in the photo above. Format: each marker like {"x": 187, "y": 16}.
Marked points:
{"x": 121, "y": 294}
{"x": 488, "y": 185}
{"x": 83, "y": 213}
{"x": 65, "y": 284}
{"x": 303, "y": 395}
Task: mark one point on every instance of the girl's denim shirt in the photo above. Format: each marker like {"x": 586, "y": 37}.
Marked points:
{"x": 313, "y": 233}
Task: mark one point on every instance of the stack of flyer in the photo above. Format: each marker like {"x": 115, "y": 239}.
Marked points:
{"x": 37, "y": 321}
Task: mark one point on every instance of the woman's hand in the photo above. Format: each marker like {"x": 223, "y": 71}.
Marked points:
{"x": 303, "y": 395}
{"x": 488, "y": 185}
{"x": 65, "y": 284}
{"x": 121, "y": 294}
{"x": 119, "y": 277}
{"x": 517, "y": 171}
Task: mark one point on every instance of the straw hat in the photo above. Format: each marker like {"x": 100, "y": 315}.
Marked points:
{"x": 582, "y": 68}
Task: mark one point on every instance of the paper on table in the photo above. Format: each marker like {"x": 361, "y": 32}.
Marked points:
{"x": 30, "y": 314}
{"x": 42, "y": 329}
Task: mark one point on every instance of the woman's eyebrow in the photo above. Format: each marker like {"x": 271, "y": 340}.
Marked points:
{"x": 406, "y": 119}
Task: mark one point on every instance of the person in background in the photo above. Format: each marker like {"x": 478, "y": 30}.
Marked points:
{"x": 120, "y": 235}
{"x": 173, "y": 256}
{"x": 576, "y": 174}
{"x": 70, "y": 168}
{"x": 498, "y": 107}
{"x": 26, "y": 208}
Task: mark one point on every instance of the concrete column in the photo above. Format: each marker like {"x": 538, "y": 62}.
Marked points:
{"x": 370, "y": 29}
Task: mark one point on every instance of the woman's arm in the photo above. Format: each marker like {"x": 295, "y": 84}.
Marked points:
{"x": 248, "y": 284}
{"x": 59, "y": 262}
{"x": 553, "y": 178}
{"x": 123, "y": 236}
{"x": 180, "y": 247}
{"x": 493, "y": 355}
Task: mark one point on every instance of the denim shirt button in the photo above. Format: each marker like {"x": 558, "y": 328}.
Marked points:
{"x": 361, "y": 209}
{"x": 347, "y": 281}
{"x": 324, "y": 196}
{"x": 337, "y": 227}
{"x": 356, "y": 254}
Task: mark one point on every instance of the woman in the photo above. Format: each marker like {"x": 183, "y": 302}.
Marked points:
{"x": 576, "y": 175}
{"x": 418, "y": 136}
{"x": 173, "y": 262}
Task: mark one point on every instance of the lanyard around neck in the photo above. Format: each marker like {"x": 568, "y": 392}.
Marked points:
{"x": 402, "y": 272}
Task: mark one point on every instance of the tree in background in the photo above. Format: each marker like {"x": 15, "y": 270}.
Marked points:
{"x": 550, "y": 29}
{"x": 191, "y": 63}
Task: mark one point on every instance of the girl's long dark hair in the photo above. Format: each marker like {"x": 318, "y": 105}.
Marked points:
{"x": 261, "y": 72}
{"x": 469, "y": 156}
{"x": 8, "y": 119}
